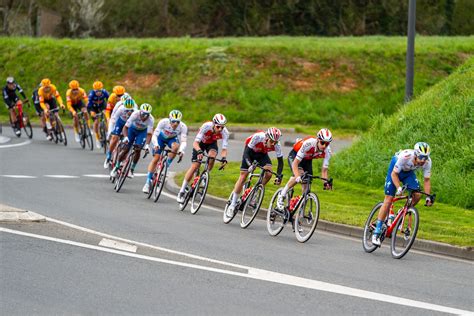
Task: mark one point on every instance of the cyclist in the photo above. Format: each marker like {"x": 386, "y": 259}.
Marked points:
{"x": 97, "y": 102}
{"x": 111, "y": 123}
{"x": 206, "y": 140}
{"x": 49, "y": 97}
{"x": 167, "y": 133}
{"x": 301, "y": 158}
{"x": 76, "y": 99}
{"x": 11, "y": 101}
{"x": 402, "y": 170}
{"x": 257, "y": 147}
{"x": 117, "y": 93}
{"x": 39, "y": 109}
{"x": 120, "y": 115}
{"x": 137, "y": 130}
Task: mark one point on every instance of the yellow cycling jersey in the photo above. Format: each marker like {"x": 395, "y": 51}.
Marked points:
{"x": 113, "y": 99}
{"x": 47, "y": 93}
{"x": 75, "y": 96}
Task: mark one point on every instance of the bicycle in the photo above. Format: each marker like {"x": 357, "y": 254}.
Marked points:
{"x": 198, "y": 188}
{"x": 102, "y": 131}
{"x": 251, "y": 199}
{"x": 85, "y": 134}
{"x": 124, "y": 169}
{"x": 159, "y": 175}
{"x": 23, "y": 121}
{"x": 402, "y": 229}
{"x": 304, "y": 209}
{"x": 57, "y": 132}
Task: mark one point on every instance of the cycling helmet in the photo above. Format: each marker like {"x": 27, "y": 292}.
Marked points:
{"x": 145, "y": 108}
{"x": 74, "y": 84}
{"x": 175, "y": 115}
{"x": 125, "y": 97}
{"x": 10, "y": 80}
{"x": 273, "y": 133}
{"x": 97, "y": 85}
{"x": 325, "y": 135}
{"x": 45, "y": 82}
{"x": 118, "y": 90}
{"x": 422, "y": 150}
{"x": 219, "y": 119}
{"x": 129, "y": 104}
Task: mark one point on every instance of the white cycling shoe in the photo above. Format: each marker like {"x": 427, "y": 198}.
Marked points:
{"x": 113, "y": 173}
{"x": 230, "y": 210}
{"x": 180, "y": 198}
{"x": 76, "y": 138}
{"x": 376, "y": 240}
{"x": 280, "y": 202}
{"x": 146, "y": 188}
{"x": 106, "y": 163}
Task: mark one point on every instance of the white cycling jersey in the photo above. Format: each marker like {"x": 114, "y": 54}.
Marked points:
{"x": 405, "y": 162}
{"x": 207, "y": 136}
{"x": 256, "y": 142}
{"x": 307, "y": 148}
{"x": 164, "y": 130}
{"x": 137, "y": 123}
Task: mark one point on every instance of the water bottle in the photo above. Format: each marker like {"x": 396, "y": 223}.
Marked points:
{"x": 391, "y": 216}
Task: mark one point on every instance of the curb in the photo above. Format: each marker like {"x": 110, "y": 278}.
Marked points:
{"x": 346, "y": 230}
{"x": 11, "y": 214}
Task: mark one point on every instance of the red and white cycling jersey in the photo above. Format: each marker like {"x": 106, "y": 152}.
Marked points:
{"x": 405, "y": 163}
{"x": 256, "y": 142}
{"x": 307, "y": 148}
{"x": 207, "y": 135}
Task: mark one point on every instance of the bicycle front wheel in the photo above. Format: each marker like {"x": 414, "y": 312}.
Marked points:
{"x": 88, "y": 136}
{"x": 404, "y": 233}
{"x": 306, "y": 217}
{"x": 61, "y": 132}
{"x": 199, "y": 192}
{"x": 252, "y": 206}
{"x": 160, "y": 181}
{"x": 102, "y": 136}
{"x": 123, "y": 174}
{"x": 27, "y": 127}
{"x": 225, "y": 218}
{"x": 82, "y": 136}
{"x": 276, "y": 219}
{"x": 369, "y": 228}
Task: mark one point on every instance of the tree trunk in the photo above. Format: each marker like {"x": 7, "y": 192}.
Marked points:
{"x": 6, "y": 12}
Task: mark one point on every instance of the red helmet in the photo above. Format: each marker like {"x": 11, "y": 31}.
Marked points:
{"x": 325, "y": 135}
{"x": 273, "y": 133}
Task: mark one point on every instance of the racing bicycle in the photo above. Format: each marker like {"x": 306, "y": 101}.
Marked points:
{"x": 159, "y": 175}
{"x": 23, "y": 121}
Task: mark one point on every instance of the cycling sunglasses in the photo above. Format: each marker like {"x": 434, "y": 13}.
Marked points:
{"x": 422, "y": 157}
{"x": 219, "y": 127}
{"x": 175, "y": 121}
{"x": 323, "y": 143}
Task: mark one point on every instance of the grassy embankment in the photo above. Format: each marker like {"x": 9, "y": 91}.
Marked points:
{"x": 443, "y": 116}
{"x": 342, "y": 83}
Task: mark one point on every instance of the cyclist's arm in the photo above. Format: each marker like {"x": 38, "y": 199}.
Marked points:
{"x": 224, "y": 154}
{"x": 90, "y": 100}
{"x": 84, "y": 97}
{"x": 58, "y": 97}
{"x": 125, "y": 131}
{"x": 196, "y": 146}
{"x": 427, "y": 185}
{"x": 294, "y": 167}
{"x": 20, "y": 90}
{"x": 148, "y": 138}
{"x": 69, "y": 102}
{"x": 395, "y": 179}
{"x": 6, "y": 98}
{"x": 183, "y": 139}
{"x": 280, "y": 165}
{"x": 247, "y": 151}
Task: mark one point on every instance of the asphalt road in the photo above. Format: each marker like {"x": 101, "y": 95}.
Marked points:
{"x": 187, "y": 264}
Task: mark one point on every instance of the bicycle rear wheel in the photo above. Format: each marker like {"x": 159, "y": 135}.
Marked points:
{"x": 183, "y": 205}
{"x": 369, "y": 228}
{"x": 160, "y": 182}
{"x": 404, "y": 233}
{"x": 88, "y": 136}
{"x": 225, "y": 218}
{"x": 61, "y": 132}
{"x": 199, "y": 192}
{"x": 123, "y": 174}
{"x": 306, "y": 217}
{"x": 276, "y": 219}
{"x": 102, "y": 136}
{"x": 27, "y": 126}
{"x": 82, "y": 136}
{"x": 252, "y": 206}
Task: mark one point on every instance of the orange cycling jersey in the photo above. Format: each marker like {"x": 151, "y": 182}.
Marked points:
{"x": 113, "y": 99}
{"x": 48, "y": 93}
{"x": 75, "y": 96}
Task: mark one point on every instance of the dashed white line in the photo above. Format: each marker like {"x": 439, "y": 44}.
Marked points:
{"x": 96, "y": 175}
{"x": 265, "y": 275}
{"x": 18, "y": 176}
{"x": 60, "y": 176}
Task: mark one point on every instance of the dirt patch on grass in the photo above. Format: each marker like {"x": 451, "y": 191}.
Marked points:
{"x": 133, "y": 81}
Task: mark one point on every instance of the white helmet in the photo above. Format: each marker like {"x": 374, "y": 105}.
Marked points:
{"x": 325, "y": 135}
{"x": 273, "y": 133}
{"x": 219, "y": 119}
{"x": 422, "y": 150}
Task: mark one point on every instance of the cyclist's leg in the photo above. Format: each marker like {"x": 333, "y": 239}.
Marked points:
{"x": 212, "y": 151}
{"x": 39, "y": 112}
{"x": 192, "y": 170}
{"x": 409, "y": 179}
{"x": 95, "y": 125}
{"x": 75, "y": 121}
{"x": 174, "y": 145}
{"x": 292, "y": 181}
{"x": 266, "y": 162}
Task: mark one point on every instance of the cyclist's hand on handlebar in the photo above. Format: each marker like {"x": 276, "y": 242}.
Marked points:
{"x": 298, "y": 179}
{"x": 251, "y": 168}
{"x": 399, "y": 191}
{"x": 62, "y": 106}
{"x": 200, "y": 155}
{"x": 125, "y": 140}
{"x": 428, "y": 201}
{"x": 278, "y": 180}
{"x": 146, "y": 147}
{"x": 327, "y": 186}
{"x": 223, "y": 161}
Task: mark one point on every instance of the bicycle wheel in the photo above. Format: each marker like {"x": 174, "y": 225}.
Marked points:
{"x": 369, "y": 228}
{"x": 88, "y": 135}
{"x": 252, "y": 206}
{"x": 404, "y": 233}
{"x": 187, "y": 197}
{"x": 102, "y": 136}
{"x": 160, "y": 182}
{"x": 199, "y": 192}
{"x": 276, "y": 219}
{"x": 82, "y": 136}
{"x": 27, "y": 126}
{"x": 306, "y": 217}
{"x": 61, "y": 132}
{"x": 123, "y": 174}
{"x": 225, "y": 218}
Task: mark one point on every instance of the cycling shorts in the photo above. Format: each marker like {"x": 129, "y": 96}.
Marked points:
{"x": 163, "y": 142}
{"x": 305, "y": 164}
{"x": 406, "y": 177}
{"x": 118, "y": 127}
{"x": 206, "y": 148}
{"x": 262, "y": 159}
{"x": 136, "y": 137}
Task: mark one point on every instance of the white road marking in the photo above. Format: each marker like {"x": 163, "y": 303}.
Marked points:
{"x": 109, "y": 243}
{"x": 18, "y": 176}
{"x": 60, "y": 176}
{"x": 96, "y": 175}
{"x": 265, "y": 275}
{"x": 16, "y": 145}
{"x": 4, "y": 139}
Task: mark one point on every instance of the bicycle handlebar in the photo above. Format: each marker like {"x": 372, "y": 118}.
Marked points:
{"x": 432, "y": 197}
{"x": 310, "y": 176}
{"x": 256, "y": 165}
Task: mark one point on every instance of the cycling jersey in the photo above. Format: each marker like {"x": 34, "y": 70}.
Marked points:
{"x": 36, "y": 102}
{"x": 256, "y": 142}
{"x": 307, "y": 149}
{"x": 165, "y": 131}
{"x": 207, "y": 136}
{"x": 135, "y": 122}
{"x": 405, "y": 163}
{"x": 75, "y": 97}
{"x": 48, "y": 93}
{"x": 111, "y": 103}
{"x": 10, "y": 97}
{"x": 96, "y": 101}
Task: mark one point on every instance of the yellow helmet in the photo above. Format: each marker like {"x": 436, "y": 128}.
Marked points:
{"x": 98, "y": 85}
{"x": 119, "y": 90}
{"x": 45, "y": 82}
{"x": 74, "y": 84}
